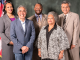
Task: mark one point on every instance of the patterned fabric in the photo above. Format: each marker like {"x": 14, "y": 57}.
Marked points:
{"x": 58, "y": 41}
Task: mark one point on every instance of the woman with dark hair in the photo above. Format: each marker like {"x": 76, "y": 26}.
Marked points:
{"x": 5, "y": 22}
{"x": 52, "y": 40}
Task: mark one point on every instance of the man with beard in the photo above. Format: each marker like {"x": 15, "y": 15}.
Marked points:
{"x": 39, "y": 19}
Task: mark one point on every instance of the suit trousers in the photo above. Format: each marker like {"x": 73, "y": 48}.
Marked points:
{"x": 26, "y": 56}
{"x": 72, "y": 54}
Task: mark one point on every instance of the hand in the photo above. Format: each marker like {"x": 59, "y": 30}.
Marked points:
{"x": 39, "y": 53}
{"x": 60, "y": 56}
{"x": 24, "y": 49}
{"x": 72, "y": 46}
{"x": 11, "y": 43}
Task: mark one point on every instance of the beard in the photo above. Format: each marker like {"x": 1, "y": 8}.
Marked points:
{"x": 38, "y": 12}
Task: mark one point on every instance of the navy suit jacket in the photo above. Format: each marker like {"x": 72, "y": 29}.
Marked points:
{"x": 21, "y": 38}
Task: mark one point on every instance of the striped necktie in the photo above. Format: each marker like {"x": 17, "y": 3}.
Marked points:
{"x": 64, "y": 21}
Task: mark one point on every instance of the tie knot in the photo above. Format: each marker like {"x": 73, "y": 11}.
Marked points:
{"x": 65, "y": 16}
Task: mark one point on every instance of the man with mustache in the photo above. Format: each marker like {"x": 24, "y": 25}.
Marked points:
{"x": 39, "y": 20}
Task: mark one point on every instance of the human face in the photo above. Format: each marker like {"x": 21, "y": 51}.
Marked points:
{"x": 38, "y": 9}
{"x": 51, "y": 20}
{"x": 21, "y": 13}
{"x": 65, "y": 8}
{"x": 9, "y": 8}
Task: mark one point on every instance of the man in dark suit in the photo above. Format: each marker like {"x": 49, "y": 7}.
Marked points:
{"x": 22, "y": 33}
{"x": 39, "y": 19}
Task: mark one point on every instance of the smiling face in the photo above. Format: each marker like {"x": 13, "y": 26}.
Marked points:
{"x": 38, "y": 9}
{"x": 51, "y": 19}
{"x": 65, "y": 8}
{"x": 21, "y": 13}
{"x": 9, "y": 8}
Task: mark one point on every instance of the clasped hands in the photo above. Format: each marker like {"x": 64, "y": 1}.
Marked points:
{"x": 24, "y": 49}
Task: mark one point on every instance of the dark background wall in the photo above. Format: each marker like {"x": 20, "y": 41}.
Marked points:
{"x": 48, "y": 5}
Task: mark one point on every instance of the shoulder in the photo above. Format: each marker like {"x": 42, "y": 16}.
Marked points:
{"x": 31, "y": 17}
{"x": 4, "y": 17}
{"x": 74, "y": 14}
{"x": 61, "y": 15}
{"x": 44, "y": 15}
{"x": 14, "y": 22}
{"x": 59, "y": 28}
{"x": 29, "y": 21}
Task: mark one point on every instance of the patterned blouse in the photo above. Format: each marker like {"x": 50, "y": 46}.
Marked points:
{"x": 58, "y": 41}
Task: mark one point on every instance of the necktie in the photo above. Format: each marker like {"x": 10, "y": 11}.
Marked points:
{"x": 64, "y": 22}
{"x": 39, "y": 21}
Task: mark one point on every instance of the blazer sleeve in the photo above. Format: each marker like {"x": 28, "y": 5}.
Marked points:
{"x": 32, "y": 38}
{"x": 76, "y": 30}
{"x": 14, "y": 37}
{"x": 63, "y": 40}
{"x": 2, "y": 31}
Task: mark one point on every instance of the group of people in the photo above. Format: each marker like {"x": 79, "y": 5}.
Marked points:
{"x": 41, "y": 36}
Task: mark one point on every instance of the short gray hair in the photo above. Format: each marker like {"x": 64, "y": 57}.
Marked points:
{"x": 21, "y": 6}
{"x": 56, "y": 17}
{"x": 66, "y": 2}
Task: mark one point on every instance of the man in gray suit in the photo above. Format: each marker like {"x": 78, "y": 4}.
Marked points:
{"x": 22, "y": 33}
{"x": 69, "y": 21}
{"x": 39, "y": 20}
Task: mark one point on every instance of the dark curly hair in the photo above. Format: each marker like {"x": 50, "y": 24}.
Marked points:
{"x": 5, "y": 7}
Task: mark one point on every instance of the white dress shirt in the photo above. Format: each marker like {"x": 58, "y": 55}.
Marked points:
{"x": 23, "y": 25}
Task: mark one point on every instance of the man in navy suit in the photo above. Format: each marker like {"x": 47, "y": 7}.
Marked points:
{"x": 22, "y": 33}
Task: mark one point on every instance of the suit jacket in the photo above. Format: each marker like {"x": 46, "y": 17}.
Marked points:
{"x": 58, "y": 41}
{"x": 21, "y": 38}
{"x": 43, "y": 23}
{"x": 7, "y": 50}
{"x": 71, "y": 27}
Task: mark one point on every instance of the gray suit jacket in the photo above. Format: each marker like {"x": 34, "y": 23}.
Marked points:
{"x": 7, "y": 50}
{"x": 21, "y": 38}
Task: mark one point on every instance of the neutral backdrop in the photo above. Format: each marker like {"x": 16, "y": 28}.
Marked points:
{"x": 48, "y": 5}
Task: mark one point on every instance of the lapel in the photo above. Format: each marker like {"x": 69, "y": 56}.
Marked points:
{"x": 43, "y": 19}
{"x": 7, "y": 18}
{"x": 34, "y": 20}
{"x": 20, "y": 26}
{"x": 67, "y": 20}
{"x": 26, "y": 25}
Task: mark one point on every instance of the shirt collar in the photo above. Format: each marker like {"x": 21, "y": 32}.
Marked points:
{"x": 55, "y": 27}
{"x": 66, "y": 14}
{"x": 39, "y": 15}
{"x": 21, "y": 21}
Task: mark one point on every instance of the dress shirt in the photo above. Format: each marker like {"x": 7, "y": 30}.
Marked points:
{"x": 66, "y": 15}
{"x": 38, "y": 17}
{"x": 23, "y": 25}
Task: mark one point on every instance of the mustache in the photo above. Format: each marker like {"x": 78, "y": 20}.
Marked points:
{"x": 37, "y": 10}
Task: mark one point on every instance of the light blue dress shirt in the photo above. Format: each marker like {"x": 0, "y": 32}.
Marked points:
{"x": 38, "y": 17}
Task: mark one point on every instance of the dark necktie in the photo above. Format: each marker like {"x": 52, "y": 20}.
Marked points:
{"x": 64, "y": 21}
